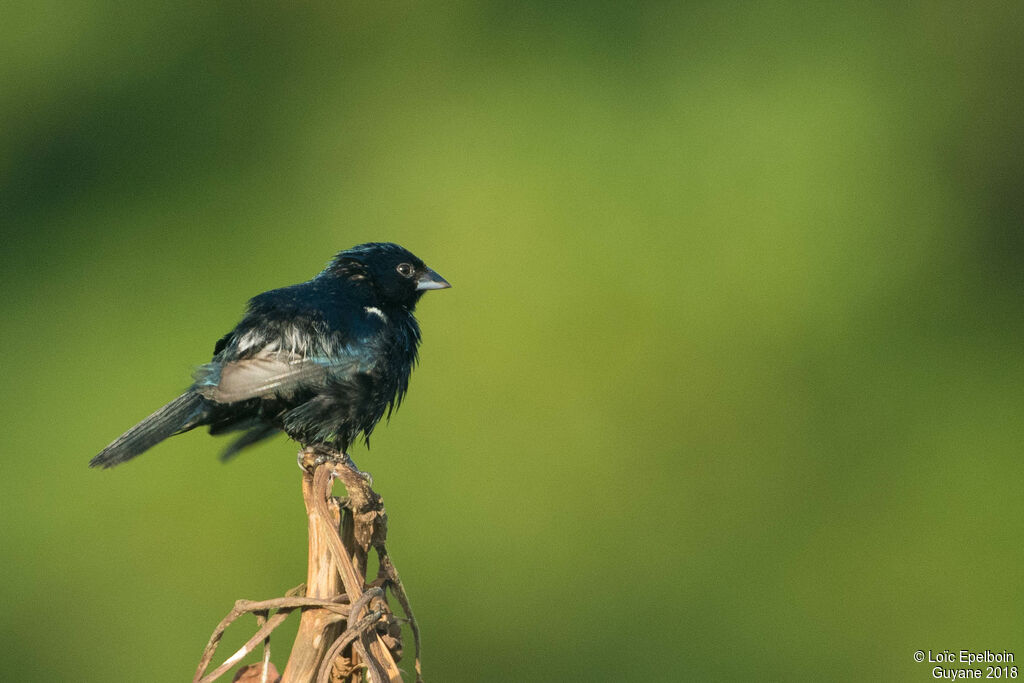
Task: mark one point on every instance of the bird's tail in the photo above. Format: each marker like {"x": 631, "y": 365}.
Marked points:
{"x": 181, "y": 414}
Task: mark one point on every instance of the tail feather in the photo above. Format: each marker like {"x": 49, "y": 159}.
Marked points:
{"x": 181, "y": 414}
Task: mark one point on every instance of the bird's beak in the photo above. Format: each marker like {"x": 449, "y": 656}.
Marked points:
{"x": 428, "y": 279}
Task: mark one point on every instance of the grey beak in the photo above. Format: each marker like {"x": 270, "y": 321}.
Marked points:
{"x": 428, "y": 279}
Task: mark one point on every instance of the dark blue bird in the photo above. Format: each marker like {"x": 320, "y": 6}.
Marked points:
{"x": 321, "y": 361}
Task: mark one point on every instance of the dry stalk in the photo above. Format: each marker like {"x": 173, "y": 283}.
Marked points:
{"x": 347, "y": 627}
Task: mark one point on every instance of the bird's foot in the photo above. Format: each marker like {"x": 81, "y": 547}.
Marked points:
{"x": 351, "y": 464}
{"x": 318, "y": 454}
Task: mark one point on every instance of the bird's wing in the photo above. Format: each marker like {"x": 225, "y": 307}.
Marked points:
{"x": 283, "y": 346}
{"x": 266, "y": 374}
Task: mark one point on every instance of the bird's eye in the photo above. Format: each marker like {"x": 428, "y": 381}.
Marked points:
{"x": 405, "y": 269}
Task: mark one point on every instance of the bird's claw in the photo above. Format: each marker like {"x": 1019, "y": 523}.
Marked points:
{"x": 350, "y": 463}
{"x": 311, "y": 457}
{"x": 314, "y": 456}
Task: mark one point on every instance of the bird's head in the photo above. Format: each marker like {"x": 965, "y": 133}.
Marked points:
{"x": 398, "y": 276}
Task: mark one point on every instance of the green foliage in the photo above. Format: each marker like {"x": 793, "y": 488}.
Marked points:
{"x": 728, "y": 386}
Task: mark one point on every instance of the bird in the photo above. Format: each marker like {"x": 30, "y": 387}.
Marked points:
{"x": 322, "y": 361}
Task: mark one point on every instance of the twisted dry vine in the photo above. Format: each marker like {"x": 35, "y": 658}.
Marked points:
{"x": 347, "y": 626}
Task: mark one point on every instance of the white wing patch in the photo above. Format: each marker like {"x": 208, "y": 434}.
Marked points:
{"x": 294, "y": 341}
{"x": 289, "y": 340}
{"x": 373, "y": 310}
{"x": 250, "y": 339}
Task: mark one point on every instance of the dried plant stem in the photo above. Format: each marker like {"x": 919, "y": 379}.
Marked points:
{"x": 346, "y": 625}
{"x": 316, "y": 632}
{"x": 284, "y": 607}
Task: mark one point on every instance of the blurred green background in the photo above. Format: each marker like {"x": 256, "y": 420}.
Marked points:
{"x": 729, "y": 384}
